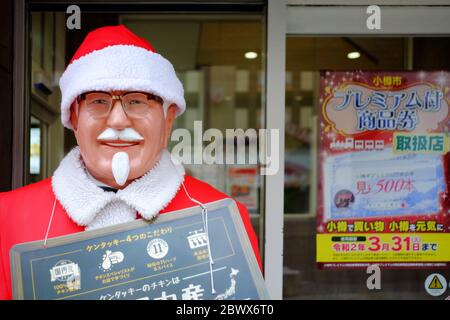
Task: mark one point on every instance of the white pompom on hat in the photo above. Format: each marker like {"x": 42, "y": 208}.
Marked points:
{"x": 114, "y": 58}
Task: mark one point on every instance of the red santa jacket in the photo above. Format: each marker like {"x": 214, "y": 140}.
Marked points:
{"x": 25, "y": 214}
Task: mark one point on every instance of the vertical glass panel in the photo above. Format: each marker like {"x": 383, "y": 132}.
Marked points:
{"x": 307, "y": 57}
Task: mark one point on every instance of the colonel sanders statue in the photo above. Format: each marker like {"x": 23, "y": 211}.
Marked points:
{"x": 120, "y": 98}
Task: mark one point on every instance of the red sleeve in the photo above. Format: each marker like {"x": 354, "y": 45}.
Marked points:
{"x": 4, "y": 292}
{"x": 250, "y": 232}
{"x": 3, "y": 287}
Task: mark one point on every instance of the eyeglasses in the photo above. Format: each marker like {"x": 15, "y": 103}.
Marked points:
{"x": 135, "y": 104}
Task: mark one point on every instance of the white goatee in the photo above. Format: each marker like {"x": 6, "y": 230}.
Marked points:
{"x": 121, "y": 167}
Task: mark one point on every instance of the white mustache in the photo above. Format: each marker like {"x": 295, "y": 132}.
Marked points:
{"x": 127, "y": 134}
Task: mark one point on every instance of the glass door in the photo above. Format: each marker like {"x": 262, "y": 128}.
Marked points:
{"x": 349, "y": 183}
{"x": 218, "y": 53}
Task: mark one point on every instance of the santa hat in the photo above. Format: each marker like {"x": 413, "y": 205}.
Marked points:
{"x": 114, "y": 58}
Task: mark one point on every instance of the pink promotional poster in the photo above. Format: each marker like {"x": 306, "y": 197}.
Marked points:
{"x": 384, "y": 175}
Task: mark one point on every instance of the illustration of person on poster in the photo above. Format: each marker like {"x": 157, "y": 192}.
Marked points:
{"x": 384, "y": 175}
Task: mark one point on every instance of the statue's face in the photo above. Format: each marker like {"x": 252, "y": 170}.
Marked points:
{"x": 143, "y": 140}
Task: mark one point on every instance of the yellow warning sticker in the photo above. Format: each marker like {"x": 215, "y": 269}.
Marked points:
{"x": 435, "y": 283}
{"x": 383, "y": 247}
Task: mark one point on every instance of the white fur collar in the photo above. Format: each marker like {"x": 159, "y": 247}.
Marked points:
{"x": 85, "y": 202}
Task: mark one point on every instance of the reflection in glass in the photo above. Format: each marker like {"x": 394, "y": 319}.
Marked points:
{"x": 35, "y": 148}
